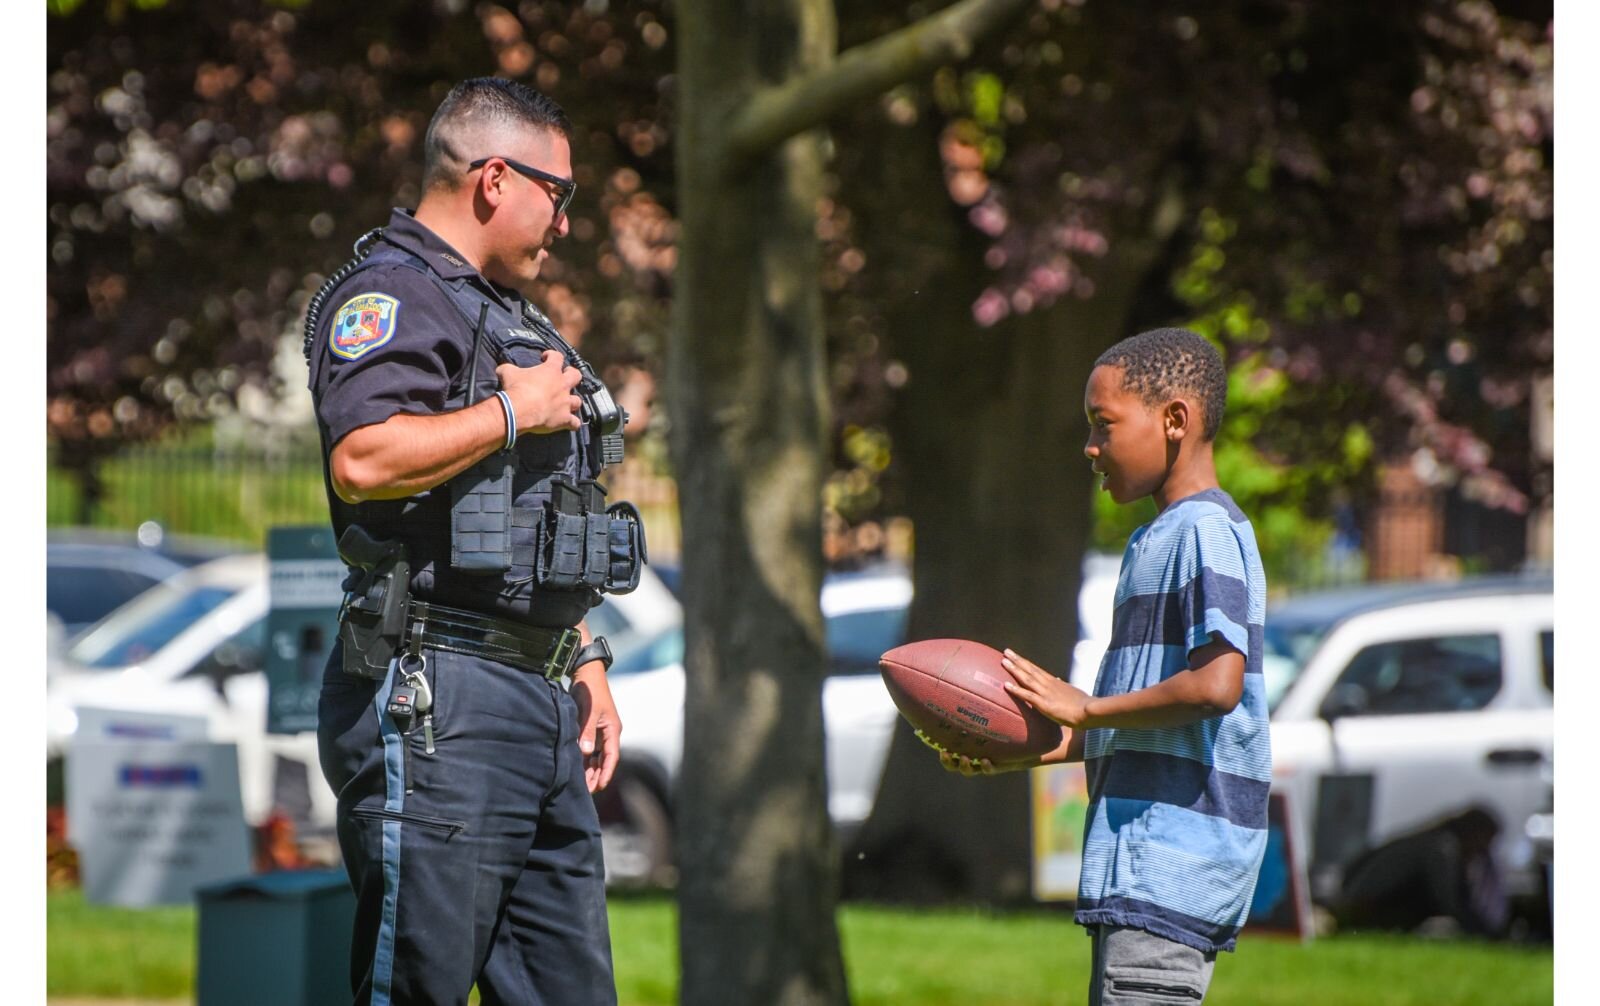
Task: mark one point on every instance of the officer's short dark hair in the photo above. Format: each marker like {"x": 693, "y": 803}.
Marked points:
{"x": 482, "y": 100}
{"x": 1164, "y": 363}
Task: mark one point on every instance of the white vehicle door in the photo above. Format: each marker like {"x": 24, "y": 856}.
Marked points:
{"x": 860, "y": 718}
{"x": 1436, "y": 720}
{"x": 857, "y": 712}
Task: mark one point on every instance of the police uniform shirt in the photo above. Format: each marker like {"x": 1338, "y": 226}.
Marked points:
{"x": 389, "y": 341}
{"x": 404, "y": 349}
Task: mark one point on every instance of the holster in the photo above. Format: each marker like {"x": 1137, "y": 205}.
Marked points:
{"x": 376, "y": 591}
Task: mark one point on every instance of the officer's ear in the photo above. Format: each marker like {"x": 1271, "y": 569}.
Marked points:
{"x": 492, "y": 181}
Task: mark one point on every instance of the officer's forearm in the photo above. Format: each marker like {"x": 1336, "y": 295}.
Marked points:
{"x": 404, "y": 455}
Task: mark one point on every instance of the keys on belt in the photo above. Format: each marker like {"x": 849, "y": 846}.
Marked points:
{"x": 412, "y": 697}
{"x": 549, "y": 652}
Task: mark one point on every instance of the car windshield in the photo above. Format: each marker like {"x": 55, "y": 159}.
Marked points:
{"x": 855, "y": 638}
{"x": 607, "y": 621}
{"x": 154, "y": 619}
{"x": 661, "y": 650}
{"x": 1288, "y": 648}
{"x": 80, "y": 595}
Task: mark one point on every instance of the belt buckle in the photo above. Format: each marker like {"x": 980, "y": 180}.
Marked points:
{"x": 559, "y": 664}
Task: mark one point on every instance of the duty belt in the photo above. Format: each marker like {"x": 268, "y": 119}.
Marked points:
{"x": 548, "y": 652}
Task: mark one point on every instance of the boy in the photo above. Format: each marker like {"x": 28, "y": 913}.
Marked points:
{"x": 1174, "y": 739}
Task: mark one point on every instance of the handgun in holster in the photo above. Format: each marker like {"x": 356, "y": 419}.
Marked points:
{"x": 373, "y": 618}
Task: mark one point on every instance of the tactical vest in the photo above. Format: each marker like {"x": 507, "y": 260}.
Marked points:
{"x": 522, "y": 531}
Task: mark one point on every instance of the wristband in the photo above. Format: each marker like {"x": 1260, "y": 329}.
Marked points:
{"x": 598, "y": 650}
{"x": 511, "y": 419}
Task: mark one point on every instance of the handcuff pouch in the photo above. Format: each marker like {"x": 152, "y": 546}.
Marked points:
{"x": 625, "y": 548}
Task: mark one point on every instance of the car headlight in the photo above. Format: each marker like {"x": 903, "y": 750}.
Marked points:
{"x": 61, "y": 722}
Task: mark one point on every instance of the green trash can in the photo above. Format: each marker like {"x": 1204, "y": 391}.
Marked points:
{"x": 276, "y": 939}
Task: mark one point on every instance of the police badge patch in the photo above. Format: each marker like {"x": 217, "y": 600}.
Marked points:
{"x": 364, "y": 323}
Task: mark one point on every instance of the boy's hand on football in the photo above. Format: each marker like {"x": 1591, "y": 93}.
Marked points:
{"x": 1045, "y": 692}
{"x": 967, "y": 766}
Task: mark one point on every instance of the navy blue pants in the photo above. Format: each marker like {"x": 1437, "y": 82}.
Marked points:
{"x": 489, "y": 869}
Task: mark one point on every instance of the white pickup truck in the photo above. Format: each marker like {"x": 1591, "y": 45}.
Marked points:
{"x": 1412, "y": 728}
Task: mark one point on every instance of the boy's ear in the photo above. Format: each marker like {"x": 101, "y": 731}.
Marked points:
{"x": 1176, "y": 418}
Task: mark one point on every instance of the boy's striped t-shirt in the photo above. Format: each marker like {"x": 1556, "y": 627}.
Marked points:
{"x": 1177, "y": 819}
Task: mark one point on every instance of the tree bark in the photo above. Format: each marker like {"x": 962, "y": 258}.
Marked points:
{"x": 749, "y": 417}
{"x": 749, "y": 424}
{"x": 809, "y": 99}
{"x": 990, "y": 427}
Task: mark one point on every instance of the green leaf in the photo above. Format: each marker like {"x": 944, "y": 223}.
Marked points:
{"x": 986, "y": 94}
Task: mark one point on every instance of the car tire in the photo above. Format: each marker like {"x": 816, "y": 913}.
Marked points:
{"x": 55, "y": 786}
{"x": 636, "y": 835}
{"x": 1482, "y": 908}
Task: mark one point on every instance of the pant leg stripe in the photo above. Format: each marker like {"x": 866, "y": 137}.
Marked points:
{"x": 394, "y": 799}
{"x": 383, "y": 960}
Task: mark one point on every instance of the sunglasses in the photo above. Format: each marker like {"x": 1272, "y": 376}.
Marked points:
{"x": 565, "y": 187}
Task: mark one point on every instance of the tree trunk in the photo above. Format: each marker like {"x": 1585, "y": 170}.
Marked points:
{"x": 990, "y": 426}
{"x": 746, "y": 371}
{"x": 749, "y": 413}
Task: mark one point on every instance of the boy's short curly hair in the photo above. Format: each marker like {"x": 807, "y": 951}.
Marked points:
{"x": 1161, "y": 364}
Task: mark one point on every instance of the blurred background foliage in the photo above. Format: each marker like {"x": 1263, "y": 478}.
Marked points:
{"x": 1354, "y": 202}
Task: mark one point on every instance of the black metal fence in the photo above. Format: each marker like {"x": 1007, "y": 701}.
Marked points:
{"x": 236, "y": 493}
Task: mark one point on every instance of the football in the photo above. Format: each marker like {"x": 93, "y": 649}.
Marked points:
{"x": 953, "y": 690}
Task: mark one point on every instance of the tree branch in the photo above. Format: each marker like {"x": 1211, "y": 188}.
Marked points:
{"x": 776, "y": 113}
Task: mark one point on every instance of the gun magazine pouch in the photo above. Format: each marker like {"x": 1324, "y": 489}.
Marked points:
{"x": 373, "y": 618}
{"x": 582, "y": 544}
{"x": 480, "y": 515}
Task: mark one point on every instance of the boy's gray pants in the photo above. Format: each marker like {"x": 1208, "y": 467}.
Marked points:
{"x": 1134, "y": 968}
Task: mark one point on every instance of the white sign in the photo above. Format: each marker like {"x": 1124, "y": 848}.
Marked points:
{"x": 307, "y": 583}
{"x": 133, "y": 725}
{"x": 153, "y": 820}
{"x": 96, "y": 725}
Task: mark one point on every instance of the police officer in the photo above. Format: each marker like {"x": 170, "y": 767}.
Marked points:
{"x": 465, "y": 717}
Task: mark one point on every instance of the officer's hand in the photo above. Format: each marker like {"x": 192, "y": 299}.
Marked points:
{"x": 542, "y": 395}
{"x": 600, "y": 729}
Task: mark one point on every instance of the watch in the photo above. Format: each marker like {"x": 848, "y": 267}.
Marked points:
{"x": 599, "y": 650}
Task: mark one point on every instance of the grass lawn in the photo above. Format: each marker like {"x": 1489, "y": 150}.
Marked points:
{"x": 927, "y": 957}
{"x": 117, "y": 952}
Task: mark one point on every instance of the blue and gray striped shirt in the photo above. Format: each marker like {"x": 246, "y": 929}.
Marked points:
{"x": 1177, "y": 820}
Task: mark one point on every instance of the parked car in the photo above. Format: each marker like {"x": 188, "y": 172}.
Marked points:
{"x": 1410, "y": 727}
{"x": 89, "y": 572}
{"x": 194, "y": 646}
{"x": 1540, "y": 830}
{"x": 864, "y": 614}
